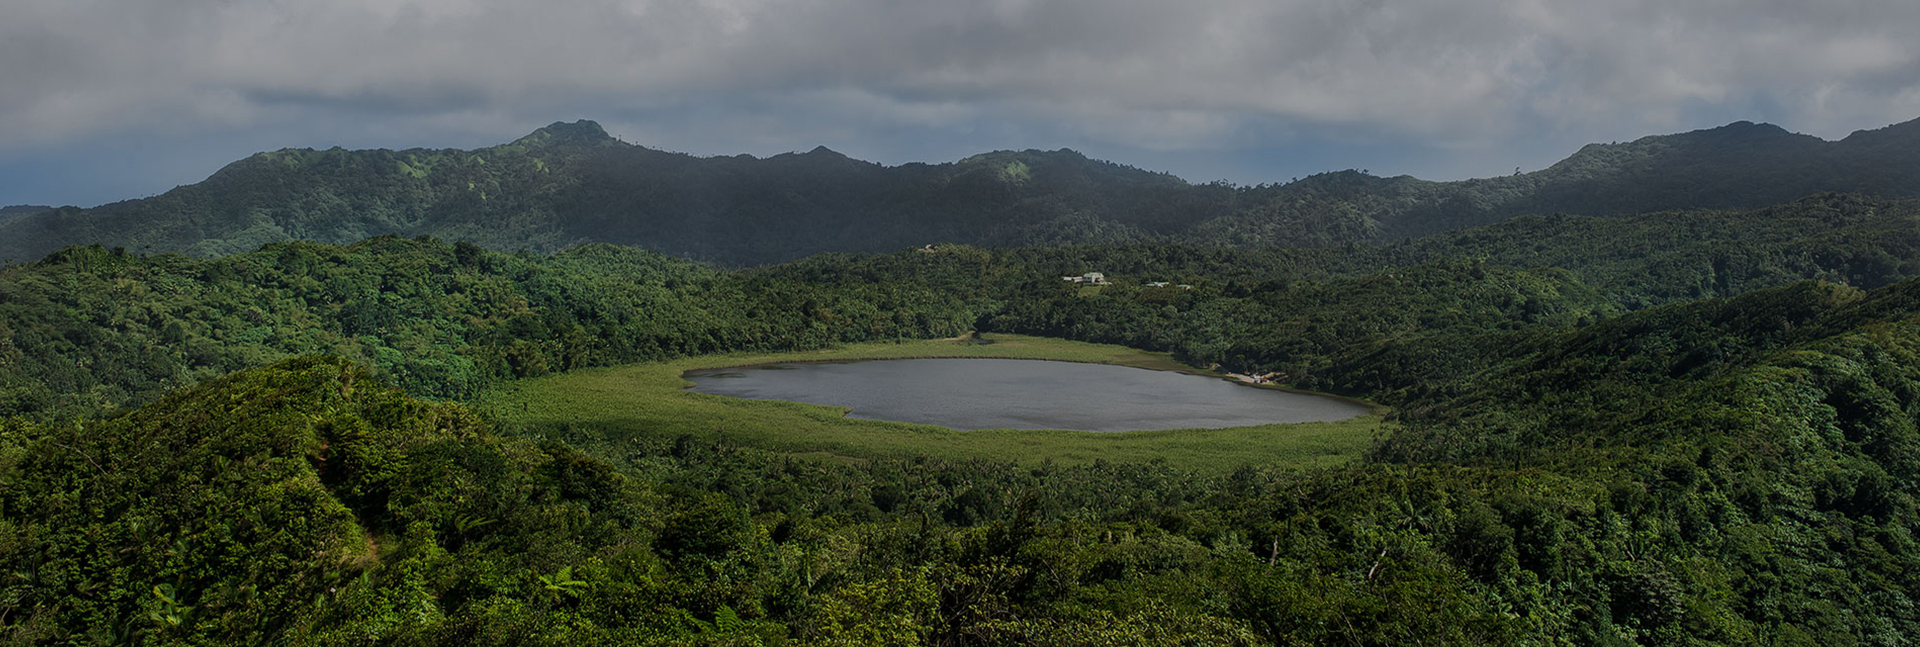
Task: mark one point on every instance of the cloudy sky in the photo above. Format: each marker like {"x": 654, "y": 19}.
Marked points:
{"x": 106, "y": 100}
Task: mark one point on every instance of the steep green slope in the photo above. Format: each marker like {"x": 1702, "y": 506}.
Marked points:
{"x": 568, "y": 184}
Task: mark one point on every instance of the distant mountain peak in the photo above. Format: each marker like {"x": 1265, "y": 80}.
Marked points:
{"x": 1747, "y": 129}
{"x": 584, "y": 132}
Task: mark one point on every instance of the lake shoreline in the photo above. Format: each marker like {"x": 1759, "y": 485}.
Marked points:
{"x": 606, "y": 408}
{"x": 1165, "y": 362}
{"x": 978, "y": 393}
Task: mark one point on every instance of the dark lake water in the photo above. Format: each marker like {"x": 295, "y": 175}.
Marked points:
{"x": 1022, "y": 394}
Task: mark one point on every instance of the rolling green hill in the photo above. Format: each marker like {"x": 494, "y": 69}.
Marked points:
{"x": 569, "y": 184}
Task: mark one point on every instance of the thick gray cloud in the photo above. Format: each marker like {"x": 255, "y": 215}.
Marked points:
{"x": 1133, "y": 74}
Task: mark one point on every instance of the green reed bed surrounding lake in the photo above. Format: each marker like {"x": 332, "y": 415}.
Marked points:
{"x": 649, "y": 400}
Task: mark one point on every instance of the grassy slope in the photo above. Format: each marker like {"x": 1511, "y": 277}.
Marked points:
{"x": 647, "y": 399}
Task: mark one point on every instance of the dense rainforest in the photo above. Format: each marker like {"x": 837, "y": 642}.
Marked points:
{"x": 1684, "y": 427}
{"x": 571, "y": 183}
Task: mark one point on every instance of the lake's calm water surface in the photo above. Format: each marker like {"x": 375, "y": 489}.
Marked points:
{"x": 1022, "y": 394}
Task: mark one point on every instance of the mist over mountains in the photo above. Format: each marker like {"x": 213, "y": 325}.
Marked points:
{"x": 571, "y": 183}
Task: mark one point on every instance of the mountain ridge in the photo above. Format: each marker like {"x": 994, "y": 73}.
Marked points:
{"x": 571, "y": 183}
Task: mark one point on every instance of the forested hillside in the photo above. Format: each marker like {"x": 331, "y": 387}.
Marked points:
{"x": 569, "y": 184}
{"x": 1736, "y": 470}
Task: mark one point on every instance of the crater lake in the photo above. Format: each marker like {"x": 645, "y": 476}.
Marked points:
{"x": 1023, "y": 394}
